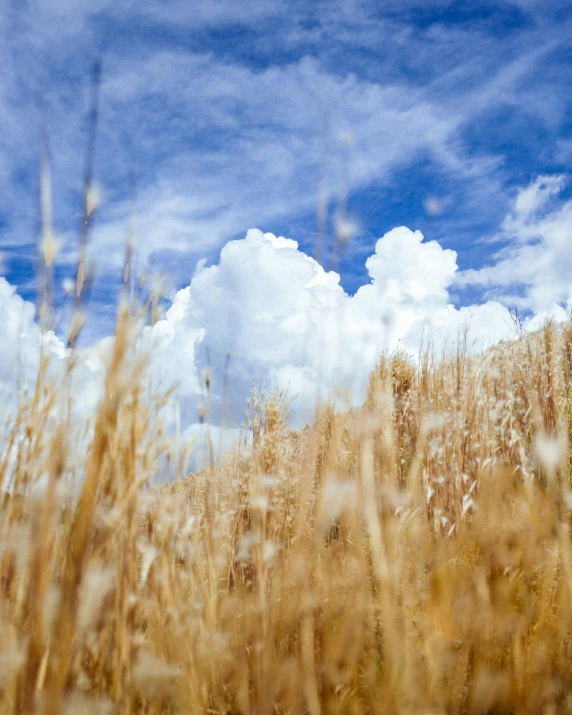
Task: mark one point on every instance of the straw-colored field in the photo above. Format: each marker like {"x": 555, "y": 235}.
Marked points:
{"x": 411, "y": 556}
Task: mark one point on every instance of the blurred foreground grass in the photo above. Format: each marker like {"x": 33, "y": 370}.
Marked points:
{"x": 409, "y": 556}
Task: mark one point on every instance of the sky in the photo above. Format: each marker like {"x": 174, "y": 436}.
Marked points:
{"x": 437, "y": 133}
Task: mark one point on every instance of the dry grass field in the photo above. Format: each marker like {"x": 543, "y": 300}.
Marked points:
{"x": 412, "y": 555}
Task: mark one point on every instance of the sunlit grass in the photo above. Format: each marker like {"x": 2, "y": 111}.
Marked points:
{"x": 409, "y": 556}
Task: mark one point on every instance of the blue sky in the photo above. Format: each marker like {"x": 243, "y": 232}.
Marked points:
{"x": 228, "y": 114}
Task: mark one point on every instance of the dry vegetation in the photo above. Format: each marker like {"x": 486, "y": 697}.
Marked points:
{"x": 410, "y": 556}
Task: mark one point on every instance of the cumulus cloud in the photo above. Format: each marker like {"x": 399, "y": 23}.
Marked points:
{"x": 23, "y": 344}
{"x": 20, "y": 337}
{"x": 287, "y": 323}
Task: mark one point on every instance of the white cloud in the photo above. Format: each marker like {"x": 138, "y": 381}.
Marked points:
{"x": 289, "y": 324}
{"x": 532, "y": 199}
{"x": 20, "y": 337}
{"x": 533, "y": 270}
{"x": 23, "y": 343}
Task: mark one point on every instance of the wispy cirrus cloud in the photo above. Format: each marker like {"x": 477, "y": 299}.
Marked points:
{"x": 532, "y": 269}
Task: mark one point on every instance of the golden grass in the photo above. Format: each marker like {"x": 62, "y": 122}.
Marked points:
{"x": 409, "y": 556}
